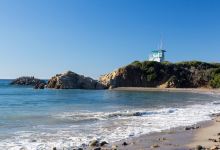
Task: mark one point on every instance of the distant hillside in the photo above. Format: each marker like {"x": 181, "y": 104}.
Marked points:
{"x": 191, "y": 74}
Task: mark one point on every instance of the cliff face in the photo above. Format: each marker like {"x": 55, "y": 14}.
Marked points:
{"x": 192, "y": 74}
{"x": 71, "y": 80}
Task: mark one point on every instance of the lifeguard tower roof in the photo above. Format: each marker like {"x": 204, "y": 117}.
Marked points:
{"x": 159, "y": 50}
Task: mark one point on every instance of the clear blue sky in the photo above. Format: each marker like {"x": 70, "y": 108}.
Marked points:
{"x": 93, "y": 37}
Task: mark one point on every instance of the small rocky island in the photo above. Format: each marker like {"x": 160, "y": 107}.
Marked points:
{"x": 29, "y": 81}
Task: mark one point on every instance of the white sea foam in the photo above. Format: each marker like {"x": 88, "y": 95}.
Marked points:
{"x": 109, "y": 126}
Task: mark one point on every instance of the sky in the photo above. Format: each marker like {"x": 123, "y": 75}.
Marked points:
{"x": 92, "y": 37}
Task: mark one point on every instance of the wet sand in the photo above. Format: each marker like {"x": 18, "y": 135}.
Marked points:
{"x": 174, "y": 139}
{"x": 207, "y": 137}
{"x": 204, "y": 135}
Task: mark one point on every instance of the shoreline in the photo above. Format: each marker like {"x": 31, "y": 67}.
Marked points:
{"x": 157, "y": 89}
{"x": 194, "y": 137}
{"x": 180, "y": 138}
{"x": 177, "y": 138}
{"x": 202, "y": 135}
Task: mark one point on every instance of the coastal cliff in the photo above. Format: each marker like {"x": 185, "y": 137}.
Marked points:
{"x": 71, "y": 80}
{"x": 192, "y": 74}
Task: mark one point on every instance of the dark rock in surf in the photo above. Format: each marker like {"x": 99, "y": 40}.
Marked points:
{"x": 124, "y": 143}
{"x": 155, "y": 146}
{"x": 199, "y": 147}
{"x": 103, "y": 143}
{"x": 33, "y": 140}
{"x": 54, "y": 148}
{"x": 138, "y": 114}
{"x": 213, "y": 140}
{"x": 162, "y": 139}
{"x": 192, "y": 128}
{"x": 94, "y": 143}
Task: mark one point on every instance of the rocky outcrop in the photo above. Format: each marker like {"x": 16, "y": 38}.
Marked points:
{"x": 71, "y": 80}
{"x": 40, "y": 86}
{"x": 30, "y": 81}
{"x": 192, "y": 74}
{"x": 109, "y": 79}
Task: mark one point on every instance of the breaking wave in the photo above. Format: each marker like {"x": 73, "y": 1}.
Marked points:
{"x": 108, "y": 126}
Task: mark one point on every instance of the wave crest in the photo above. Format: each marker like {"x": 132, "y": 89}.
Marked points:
{"x": 95, "y": 116}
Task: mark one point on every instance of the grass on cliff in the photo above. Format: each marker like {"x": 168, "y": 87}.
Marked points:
{"x": 183, "y": 74}
{"x": 215, "y": 78}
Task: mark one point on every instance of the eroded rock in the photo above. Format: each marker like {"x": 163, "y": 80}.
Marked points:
{"x": 71, "y": 80}
{"x": 29, "y": 81}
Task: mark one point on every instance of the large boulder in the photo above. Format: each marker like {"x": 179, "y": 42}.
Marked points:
{"x": 124, "y": 77}
{"x": 71, "y": 80}
{"x": 29, "y": 81}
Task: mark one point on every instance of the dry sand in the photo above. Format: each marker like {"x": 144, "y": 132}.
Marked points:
{"x": 175, "y": 139}
{"x": 207, "y": 136}
{"x": 146, "y": 89}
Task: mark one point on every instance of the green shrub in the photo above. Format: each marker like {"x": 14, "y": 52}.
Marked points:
{"x": 217, "y": 65}
{"x": 215, "y": 82}
{"x": 196, "y": 64}
{"x": 166, "y": 63}
{"x": 216, "y": 71}
{"x": 182, "y": 74}
{"x": 151, "y": 77}
{"x": 136, "y": 64}
{"x": 215, "y": 78}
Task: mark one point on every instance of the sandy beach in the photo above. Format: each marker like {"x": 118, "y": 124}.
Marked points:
{"x": 204, "y": 135}
{"x": 207, "y": 137}
{"x": 147, "y": 89}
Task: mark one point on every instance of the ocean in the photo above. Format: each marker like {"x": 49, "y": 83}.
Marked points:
{"x": 42, "y": 119}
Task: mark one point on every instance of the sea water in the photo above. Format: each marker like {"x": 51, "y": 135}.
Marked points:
{"x": 42, "y": 119}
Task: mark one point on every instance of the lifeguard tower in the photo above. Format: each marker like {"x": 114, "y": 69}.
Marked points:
{"x": 158, "y": 55}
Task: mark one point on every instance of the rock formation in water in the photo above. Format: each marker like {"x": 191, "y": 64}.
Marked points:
{"x": 71, "y": 80}
{"x": 40, "y": 85}
{"x": 30, "y": 81}
{"x": 191, "y": 74}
